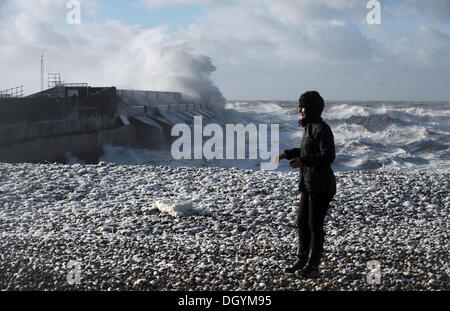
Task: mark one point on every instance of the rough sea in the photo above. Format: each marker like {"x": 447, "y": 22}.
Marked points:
{"x": 371, "y": 135}
{"x": 392, "y": 136}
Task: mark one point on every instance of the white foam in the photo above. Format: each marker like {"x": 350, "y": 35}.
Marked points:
{"x": 367, "y": 135}
{"x": 178, "y": 209}
{"x": 344, "y": 111}
{"x": 121, "y": 155}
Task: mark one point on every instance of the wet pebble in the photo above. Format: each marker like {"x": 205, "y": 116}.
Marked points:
{"x": 99, "y": 219}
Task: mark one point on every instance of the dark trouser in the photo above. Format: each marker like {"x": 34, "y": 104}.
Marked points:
{"x": 310, "y": 220}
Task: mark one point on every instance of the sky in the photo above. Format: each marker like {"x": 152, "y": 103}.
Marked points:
{"x": 245, "y": 49}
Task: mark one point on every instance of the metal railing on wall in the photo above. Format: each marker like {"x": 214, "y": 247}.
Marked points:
{"x": 54, "y": 80}
{"x": 75, "y": 84}
{"x": 15, "y": 92}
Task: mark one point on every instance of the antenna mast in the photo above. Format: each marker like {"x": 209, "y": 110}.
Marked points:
{"x": 42, "y": 73}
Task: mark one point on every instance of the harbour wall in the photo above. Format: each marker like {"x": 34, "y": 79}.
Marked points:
{"x": 44, "y": 128}
{"x": 79, "y": 121}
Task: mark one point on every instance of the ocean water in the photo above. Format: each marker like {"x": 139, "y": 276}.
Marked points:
{"x": 405, "y": 136}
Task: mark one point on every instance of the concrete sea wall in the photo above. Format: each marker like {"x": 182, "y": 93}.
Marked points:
{"x": 45, "y": 128}
{"x": 80, "y": 120}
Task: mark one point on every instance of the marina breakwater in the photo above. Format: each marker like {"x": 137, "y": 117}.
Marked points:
{"x": 78, "y": 120}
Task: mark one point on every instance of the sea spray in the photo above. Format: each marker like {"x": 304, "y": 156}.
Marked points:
{"x": 154, "y": 60}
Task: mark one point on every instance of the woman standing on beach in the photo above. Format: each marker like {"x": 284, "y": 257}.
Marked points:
{"x": 317, "y": 182}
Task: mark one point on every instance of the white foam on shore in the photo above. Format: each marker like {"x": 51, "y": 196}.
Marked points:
{"x": 178, "y": 209}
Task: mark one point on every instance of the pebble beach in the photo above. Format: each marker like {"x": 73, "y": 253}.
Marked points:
{"x": 236, "y": 230}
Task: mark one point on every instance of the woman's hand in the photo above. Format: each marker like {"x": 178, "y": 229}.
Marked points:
{"x": 296, "y": 163}
{"x": 279, "y": 157}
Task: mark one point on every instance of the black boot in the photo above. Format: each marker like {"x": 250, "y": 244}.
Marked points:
{"x": 311, "y": 269}
{"x": 302, "y": 259}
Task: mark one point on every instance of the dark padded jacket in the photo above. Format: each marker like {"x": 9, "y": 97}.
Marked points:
{"x": 317, "y": 152}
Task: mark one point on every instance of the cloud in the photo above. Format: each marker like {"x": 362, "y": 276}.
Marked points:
{"x": 262, "y": 48}
{"x": 300, "y": 12}
{"x": 426, "y": 47}
{"x": 325, "y": 40}
{"x": 39, "y": 10}
{"x": 431, "y": 11}
{"x": 156, "y": 4}
{"x": 256, "y": 35}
